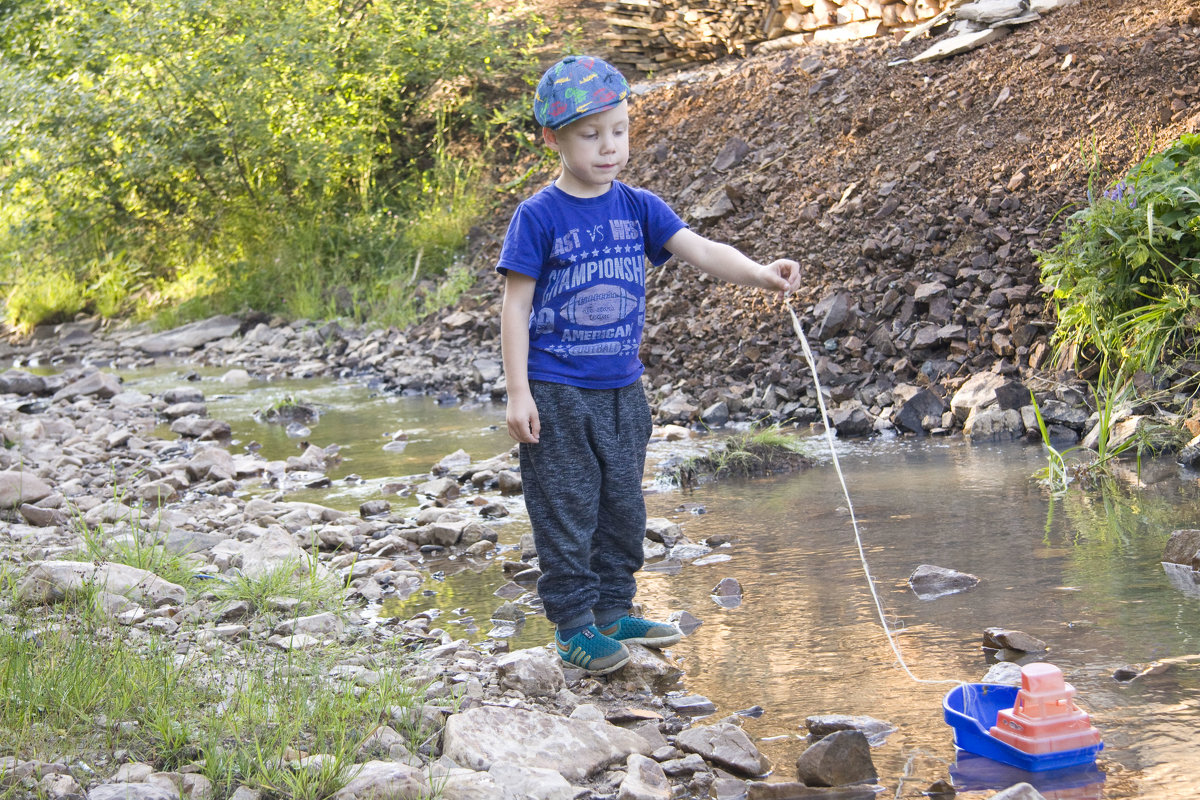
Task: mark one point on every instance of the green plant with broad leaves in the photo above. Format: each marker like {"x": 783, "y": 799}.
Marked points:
{"x": 1125, "y": 277}
{"x": 184, "y": 157}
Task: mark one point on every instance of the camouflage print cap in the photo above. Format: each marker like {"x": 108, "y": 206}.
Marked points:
{"x": 575, "y": 87}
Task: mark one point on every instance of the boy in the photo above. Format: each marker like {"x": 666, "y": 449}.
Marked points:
{"x": 571, "y": 323}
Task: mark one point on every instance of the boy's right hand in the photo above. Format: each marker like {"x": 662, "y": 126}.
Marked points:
{"x": 522, "y": 417}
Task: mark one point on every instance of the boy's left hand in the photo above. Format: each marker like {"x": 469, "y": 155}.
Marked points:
{"x": 783, "y": 275}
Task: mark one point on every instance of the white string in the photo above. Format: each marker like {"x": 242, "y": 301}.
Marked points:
{"x": 862, "y": 556}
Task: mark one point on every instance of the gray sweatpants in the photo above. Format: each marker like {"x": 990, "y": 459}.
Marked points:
{"x": 583, "y": 492}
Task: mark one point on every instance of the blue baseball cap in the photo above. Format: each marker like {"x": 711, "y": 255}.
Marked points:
{"x": 575, "y": 87}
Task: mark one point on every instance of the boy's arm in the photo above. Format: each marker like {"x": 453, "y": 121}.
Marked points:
{"x": 729, "y": 264}
{"x": 522, "y": 414}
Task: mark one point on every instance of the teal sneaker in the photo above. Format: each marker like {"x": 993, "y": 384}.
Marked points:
{"x": 592, "y": 651}
{"x": 636, "y": 630}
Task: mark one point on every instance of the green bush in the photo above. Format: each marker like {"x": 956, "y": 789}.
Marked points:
{"x": 198, "y": 156}
{"x": 1125, "y": 277}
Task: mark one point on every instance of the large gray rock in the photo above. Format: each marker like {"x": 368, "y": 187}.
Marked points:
{"x": 523, "y": 782}
{"x": 16, "y": 381}
{"x": 1183, "y": 548}
{"x": 993, "y": 424}
{"x": 18, "y": 488}
{"x": 838, "y": 759}
{"x": 189, "y": 337}
{"x": 385, "y": 780}
{"x": 53, "y": 581}
{"x": 921, "y": 412}
{"x": 576, "y": 749}
{"x": 98, "y": 384}
{"x": 274, "y": 550}
{"x": 533, "y": 672}
{"x": 726, "y": 745}
{"x": 134, "y": 791}
{"x": 987, "y": 389}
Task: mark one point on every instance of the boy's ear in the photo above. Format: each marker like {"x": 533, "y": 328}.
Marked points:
{"x": 551, "y": 138}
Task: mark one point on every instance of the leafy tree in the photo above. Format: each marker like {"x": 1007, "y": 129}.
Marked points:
{"x": 158, "y": 149}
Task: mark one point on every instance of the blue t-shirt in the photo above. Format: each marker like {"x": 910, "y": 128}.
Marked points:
{"x": 588, "y": 255}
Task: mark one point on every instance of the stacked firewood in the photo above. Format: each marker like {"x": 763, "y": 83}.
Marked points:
{"x": 650, "y": 35}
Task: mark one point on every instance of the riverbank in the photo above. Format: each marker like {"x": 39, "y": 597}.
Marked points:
{"x": 117, "y": 534}
{"x": 96, "y": 476}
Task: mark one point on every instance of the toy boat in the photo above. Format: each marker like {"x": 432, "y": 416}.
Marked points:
{"x": 1035, "y": 727}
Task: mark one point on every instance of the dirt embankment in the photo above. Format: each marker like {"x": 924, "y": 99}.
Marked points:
{"x": 914, "y": 194}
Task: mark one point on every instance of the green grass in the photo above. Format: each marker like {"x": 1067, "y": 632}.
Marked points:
{"x": 753, "y": 453}
{"x": 296, "y": 581}
{"x": 73, "y": 684}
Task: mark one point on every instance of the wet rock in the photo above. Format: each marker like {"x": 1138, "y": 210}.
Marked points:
{"x": 1058, "y": 412}
{"x": 851, "y": 419}
{"x": 661, "y": 529}
{"x": 727, "y": 593}
{"x": 725, "y": 745}
{"x": 1132, "y": 672}
{"x": 1004, "y": 639}
{"x": 840, "y": 758}
{"x": 876, "y": 730}
{"x": 440, "y": 488}
{"x": 692, "y": 705}
{"x": 576, "y": 749}
{"x": 994, "y": 424}
{"x": 509, "y": 482}
{"x": 1021, "y": 791}
{"x": 921, "y": 411}
{"x": 929, "y": 581}
{"x": 18, "y": 488}
{"x": 1182, "y": 548}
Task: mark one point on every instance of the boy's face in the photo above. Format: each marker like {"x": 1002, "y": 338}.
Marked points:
{"x": 593, "y": 150}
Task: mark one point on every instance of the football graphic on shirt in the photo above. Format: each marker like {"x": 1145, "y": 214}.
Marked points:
{"x": 600, "y": 305}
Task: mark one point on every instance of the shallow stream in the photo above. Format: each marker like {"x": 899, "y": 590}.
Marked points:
{"x": 1081, "y": 574}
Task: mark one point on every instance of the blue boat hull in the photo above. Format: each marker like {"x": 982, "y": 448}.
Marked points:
{"x": 971, "y": 709}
